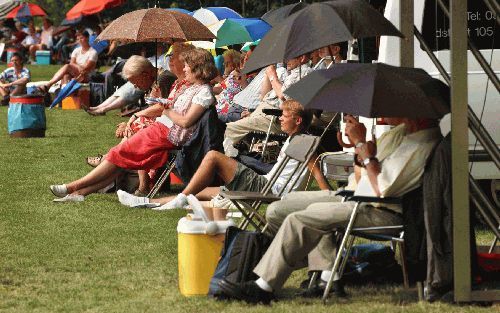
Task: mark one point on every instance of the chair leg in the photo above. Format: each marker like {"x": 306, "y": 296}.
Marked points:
{"x": 347, "y": 253}
{"x": 338, "y": 257}
{"x": 314, "y": 276}
{"x": 161, "y": 180}
{"x": 402, "y": 256}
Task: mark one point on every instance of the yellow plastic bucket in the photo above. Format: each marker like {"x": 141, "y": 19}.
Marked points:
{"x": 199, "y": 247}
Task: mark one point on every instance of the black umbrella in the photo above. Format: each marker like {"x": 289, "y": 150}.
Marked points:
{"x": 373, "y": 90}
{"x": 275, "y": 16}
{"x": 319, "y": 25}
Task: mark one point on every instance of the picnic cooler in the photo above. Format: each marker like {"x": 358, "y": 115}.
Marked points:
{"x": 43, "y": 57}
{"x": 338, "y": 166}
{"x": 77, "y": 100}
{"x": 199, "y": 247}
{"x": 26, "y": 116}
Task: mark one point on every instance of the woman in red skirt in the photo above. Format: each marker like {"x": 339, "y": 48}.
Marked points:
{"x": 148, "y": 149}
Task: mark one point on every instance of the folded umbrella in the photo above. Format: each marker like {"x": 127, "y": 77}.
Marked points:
{"x": 373, "y": 90}
{"x": 319, "y": 25}
{"x": 67, "y": 90}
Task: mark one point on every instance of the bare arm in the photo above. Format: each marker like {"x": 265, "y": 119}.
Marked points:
{"x": 318, "y": 175}
{"x": 190, "y": 118}
{"x": 20, "y": 81}
{"x": 151, "y": 111}
{"x": 276, "y": 85}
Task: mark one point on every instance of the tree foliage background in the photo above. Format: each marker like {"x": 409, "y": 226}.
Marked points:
{"x": 57, "y": 9}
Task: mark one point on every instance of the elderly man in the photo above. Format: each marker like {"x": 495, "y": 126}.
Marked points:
{"x": 13, "y": 80}
{"x": 274, "y": 89}
{"x": 392, "y": 166}
{"x": 236, "y": 176}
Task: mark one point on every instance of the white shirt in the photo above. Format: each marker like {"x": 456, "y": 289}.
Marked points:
{"x": 83, "y": 57}
{"x": 46, "y": 36}
{"x": 249, "y": 96}
{"x": 285, "y": 174}
{"x": 400, "y": 170}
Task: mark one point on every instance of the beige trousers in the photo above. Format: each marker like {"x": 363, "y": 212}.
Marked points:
{"x": 235, "y": 131}
{"x": 303, "y": 231}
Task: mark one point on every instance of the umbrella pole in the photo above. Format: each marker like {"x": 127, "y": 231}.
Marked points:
{"x": 156, "y": 60}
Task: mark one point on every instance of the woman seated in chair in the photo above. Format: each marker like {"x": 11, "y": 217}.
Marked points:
{"x": 82, "y": 64}
{"x": 148, "y": 149}
{"x": 147, "y": 117}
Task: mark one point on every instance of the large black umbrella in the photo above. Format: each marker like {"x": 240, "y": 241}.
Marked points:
{"x": 319, "y": 25}
{"x": 275, "y": 16}
{"x": 373, "y": 90}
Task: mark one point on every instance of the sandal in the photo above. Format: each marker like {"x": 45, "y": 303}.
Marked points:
{"x": 94, "y": 161}
{"x": 120, "y": 130}
{"x": 43, "y": 89}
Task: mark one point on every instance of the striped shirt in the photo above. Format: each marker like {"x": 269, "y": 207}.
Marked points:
{"x": 9, "y": 75}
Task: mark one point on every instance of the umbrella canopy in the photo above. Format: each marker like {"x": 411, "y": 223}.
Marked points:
{"x": 26, "y": 10}
{"x": 179, "y": 10}
{"x": 236, "y": 31}
{"x": 278, "y": 15}
{"x": 373, "y": 90}
{"x": 211, "y": 15}
{"x": 319, "y": 25}
{"x": 89, "y": 7}
{"x": 246, "y": 47}
{"x": 155, "y": 25}
{"x": 6, "y": 6}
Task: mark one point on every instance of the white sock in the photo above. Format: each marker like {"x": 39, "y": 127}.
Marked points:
{"x": 131, "y": 200}
{"x": 177, "y": 203}
{"x": 264, "y": 285}
{"x": 325, "y": 276}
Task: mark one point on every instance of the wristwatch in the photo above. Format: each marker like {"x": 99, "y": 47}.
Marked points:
{"x": 359, "y": 144}
{"x": 368, "y": 160}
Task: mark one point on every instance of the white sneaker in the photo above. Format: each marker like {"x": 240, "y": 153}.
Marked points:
{"x": 229, "y": 149}
{"x": 179, "y": 202}
{"x": 132, "y": 201}
{"x": 70, "y": 198}
{"x": 59, "y": 190}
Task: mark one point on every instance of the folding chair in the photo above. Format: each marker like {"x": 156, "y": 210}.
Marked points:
{"x": 301, "y": 149}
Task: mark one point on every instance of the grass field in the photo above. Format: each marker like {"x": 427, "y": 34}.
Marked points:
{"x": 99, "y": 256}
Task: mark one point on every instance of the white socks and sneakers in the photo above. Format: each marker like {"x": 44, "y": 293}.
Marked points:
{"x": 125, "y": 198}
{"x": 61, "y": 191}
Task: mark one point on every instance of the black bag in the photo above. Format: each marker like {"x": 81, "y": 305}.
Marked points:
{"x": 241, "y": 253}
{"x": 97, "y": 94}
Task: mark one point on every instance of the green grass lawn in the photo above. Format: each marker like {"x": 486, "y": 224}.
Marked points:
{"x": 99, "y": 256}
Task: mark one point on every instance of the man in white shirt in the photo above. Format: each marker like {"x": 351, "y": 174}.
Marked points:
{"x": 392, "y": 166}
{"x": 13, "y": 80}
{"x": 83, "y": 63}
{"x": 236, "y": 176}
{"x": 273, "y": 90}
{"x": 45, "y": 39}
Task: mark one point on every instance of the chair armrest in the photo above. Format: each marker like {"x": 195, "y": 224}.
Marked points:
{"x": 249, "y": 196}
{"x": 274, "y": 112}
{"x": 387, "y": 200}
{"x": 344, "y": 193}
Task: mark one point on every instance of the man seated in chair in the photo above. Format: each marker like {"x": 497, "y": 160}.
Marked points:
{"x": 391, "y": 167}
{"x": 272, "y": 89}
{"x": 234, "y": 175}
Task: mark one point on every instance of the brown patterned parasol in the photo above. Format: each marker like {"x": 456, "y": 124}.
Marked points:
{"x": 155, "y": 25}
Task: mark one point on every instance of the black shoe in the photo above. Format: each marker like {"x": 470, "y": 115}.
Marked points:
{"x": 247, "y": 291}
{"x": 317, "y": 290}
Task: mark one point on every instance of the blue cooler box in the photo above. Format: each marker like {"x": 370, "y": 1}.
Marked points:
{"x": 43, "y": 57}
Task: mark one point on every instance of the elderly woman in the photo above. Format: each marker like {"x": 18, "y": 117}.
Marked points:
{"x": 148, "y": 149}
{"x": 147, "y": 117}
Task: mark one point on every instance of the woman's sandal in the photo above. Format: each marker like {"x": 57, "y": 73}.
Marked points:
{"x": 94, "y": 161}
{"x": 43, "y": 89}
{"x": 120, "y": 130}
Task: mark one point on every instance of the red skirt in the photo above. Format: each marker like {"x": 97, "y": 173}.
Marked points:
{"x": 147, "y": 149}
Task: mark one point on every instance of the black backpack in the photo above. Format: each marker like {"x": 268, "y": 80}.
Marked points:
{"x": 241, "y": 253}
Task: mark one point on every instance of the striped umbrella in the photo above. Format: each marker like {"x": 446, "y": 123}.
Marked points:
{"x": 26, "y": 10}
{"x": 6, "y": 6}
